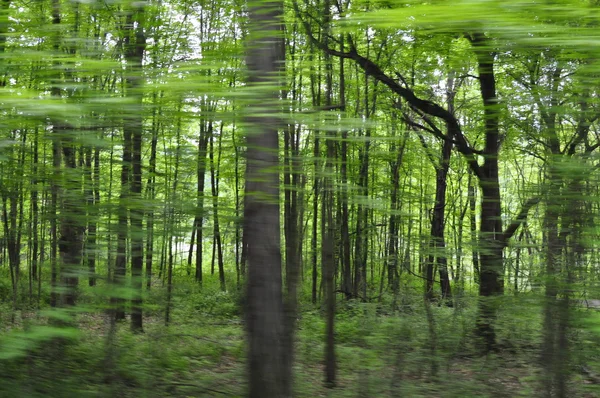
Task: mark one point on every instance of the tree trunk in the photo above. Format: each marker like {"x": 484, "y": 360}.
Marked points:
{"x": 491, "y": 235}
{"x": 135, "y": 45}
{"x": 293, "y": 168}
{"x": 315, "y": 223}
{"x": 265, "y": 317}
{"x": 394, "y": 224}
{"x": 151, "y": 193}
{"x": 35, "y": 207}
{"x": 203, "y": 138}
{"x": 473, "y": 226}
{"x": 328, "y": 260}
{"x": 214, "y": 183}
{"x": 437, "y": 255}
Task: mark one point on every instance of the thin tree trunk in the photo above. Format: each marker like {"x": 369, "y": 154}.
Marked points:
{"x": 151, "y": 189}
{"x": 238, "y": 222}
{"x": 188, "y": 269}
{"x": 203, "y": 138}
{"x": 90, "y": 190}
{"x": 292, "y": 227}
{"x": 328, "y": 260}
{"x": 473, "y": 226}
{"x": 123, "y": 226}
{"x": 437, "y": 256}
{"x": 173, "y": 197}
{"x": 315, "y": 216}
{"x": 394, "y": 224}
{"x": 35, "y": 206}
{"x": 214, "y": 182}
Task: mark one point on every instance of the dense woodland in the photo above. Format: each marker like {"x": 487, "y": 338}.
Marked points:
{"x": 280, "y": 198}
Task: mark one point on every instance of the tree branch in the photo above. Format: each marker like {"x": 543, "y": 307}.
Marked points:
{"x": 425, "y": 106}
{"x": 520, "y": 219}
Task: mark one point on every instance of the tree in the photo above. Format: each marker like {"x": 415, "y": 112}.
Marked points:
{"x": 265, "y": 316}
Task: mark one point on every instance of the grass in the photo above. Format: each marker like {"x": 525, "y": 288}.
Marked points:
{"x": 202, "y": 352}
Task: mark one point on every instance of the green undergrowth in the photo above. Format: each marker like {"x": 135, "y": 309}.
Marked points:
{"x": 383, "y": 349}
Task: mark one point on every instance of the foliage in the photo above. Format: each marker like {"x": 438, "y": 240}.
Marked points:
{"x": 438, "y": 197}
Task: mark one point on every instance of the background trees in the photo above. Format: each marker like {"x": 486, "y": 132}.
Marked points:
{"x": 442, "y": 150}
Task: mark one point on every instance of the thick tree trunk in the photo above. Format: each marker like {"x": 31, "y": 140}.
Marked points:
{"x": 265, "y": 316}
{"x": 70, "y": 244}
{"x": 492, "y": 240}
{"x": 134, "y": 53}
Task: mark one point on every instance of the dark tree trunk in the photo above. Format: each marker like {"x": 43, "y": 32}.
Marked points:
{"x": 345, "y": 214}
{"x": 315, "y": 223}
{"x": 151, "y": 192}
{"x": 328, "y": 260}
{"x": 394, "y": 222}
{"x": 135, "y": 46}
{"x": 265, "y": 317}
{"x": 214, "y": 184}
{"x": 328, "y": 235}
{"x": 35, "y": 207}
{"x": 70, "y": 244}
{"x": 54, "y": 185}
{"x": 362, "y": 220}
{"x": 293, "y": 168}
{"x": 70, "y": 240}
{"x": 172, "y": 219}
{"x": 491, "y": 235}
{"x": 188, "y": 269}
{"x": 90, "y": 243}
{"x": 203, "y": 138}
{"x": 120, "y": 268}
{"x": 473, "y": 226}
{"x": 437, "y": 255}
{"x": 238, "y": 218}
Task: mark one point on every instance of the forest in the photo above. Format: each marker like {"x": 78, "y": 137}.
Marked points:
{"x": 299, "y": 198}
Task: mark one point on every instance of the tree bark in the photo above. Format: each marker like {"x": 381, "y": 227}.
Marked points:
{"x": 203, "y": 138}
{"x": 265, "y": 58}
{"x": 214, "y": 183}
{"x": 491, "y": 234}
{"x": 135, "y": 48}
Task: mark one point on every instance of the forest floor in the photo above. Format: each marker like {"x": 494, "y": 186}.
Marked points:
{"x": 202, "y": 352}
